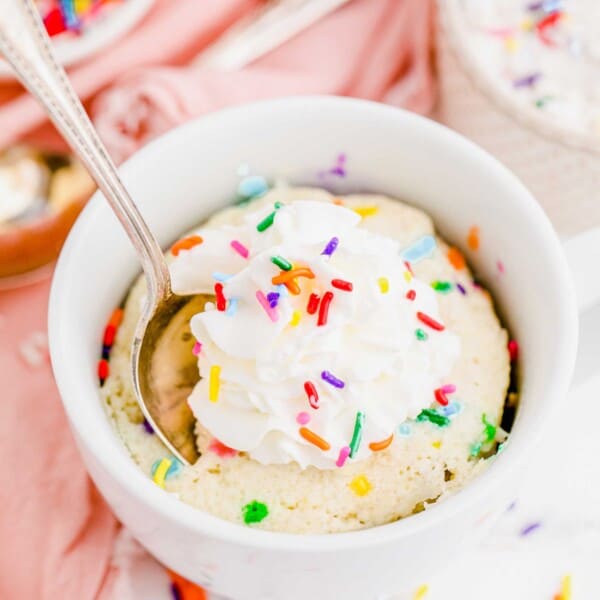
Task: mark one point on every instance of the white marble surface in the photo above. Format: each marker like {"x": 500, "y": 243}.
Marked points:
{"x": 561, "y": 492}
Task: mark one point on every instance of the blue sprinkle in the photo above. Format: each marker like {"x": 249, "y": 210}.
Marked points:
{"x": 232, "y": 307}
{"x": 253, "y": 186}
{"x": 67, "y": 7}
{"x": 404, "y": 430}
{"x": 454, "y": 408}
{"x": 173, "y": 469}
{"x": 419, "y": 250}
{"x": 221, "y": 277}
{"x": 282, "y": 290}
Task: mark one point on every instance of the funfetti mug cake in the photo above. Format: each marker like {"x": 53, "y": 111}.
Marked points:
{"x": 523, "y": 80}
{"x": 351, "y": 371}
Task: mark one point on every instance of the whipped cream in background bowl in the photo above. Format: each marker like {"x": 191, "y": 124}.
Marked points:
{"x": 396, "y": 154}
{"x": 522, "y": 79}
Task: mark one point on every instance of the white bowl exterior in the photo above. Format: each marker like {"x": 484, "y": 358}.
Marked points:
{"x": 191, "y": 172}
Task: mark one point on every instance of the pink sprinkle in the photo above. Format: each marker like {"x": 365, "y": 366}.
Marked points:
{"x": 271, "y": 312}
{"x": 343, "y": 455}
{"x": 220, "y": 449}
{"x": 500, "y": 266}
{"x": 302, "y": 418}
{"x": 197, "y": 349}
{"x": 239, "y": 248}
{"x": 449, "y": 388}
{"x": 513, "y": 350}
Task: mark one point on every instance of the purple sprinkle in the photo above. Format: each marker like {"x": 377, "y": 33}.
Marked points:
{"x": 530, "y": 528}
{"x": 511, "y": 506}
{"x": 175, "y": 592}
{"x": 332, "y": 379}
{"x": 105, "y": 352}
{"x": 147, "y": 426}
{"x": 527, "y": 81}
{"x": 331, "y": 246}
{"x": 273, "y": 298}
{"x": 533, "y": 6}
{"x": 461, "y": 289}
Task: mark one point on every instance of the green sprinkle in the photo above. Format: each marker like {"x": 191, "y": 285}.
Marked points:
{"x": 442, "y": 286}
{"x": 254, "y": 512}
{"x": 421, "y": 335}
{"x": 283, "y": 264}
{"x": 431, "y": 415}
{"x": 541, "y": 102}
{"x": 475, "y": 449}
{"x": 268, "y": 220}
{"x": 357, "y": 433}
{"x": 489, "y": 431}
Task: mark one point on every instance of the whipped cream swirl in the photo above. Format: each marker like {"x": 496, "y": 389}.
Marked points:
{"x": 255, "y": 359}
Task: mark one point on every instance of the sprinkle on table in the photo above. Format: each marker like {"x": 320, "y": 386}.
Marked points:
{"x": 311, "y": 437}
{"x": 254, "y": 512}
{"x": 214, "y": 383}
{"x": 473, "y": 238}
{"x": 332, "y": 379}
{"x": 240, "y": 248}
{"x": 186, "y": 244}
{"x": 456, "y": 259}
{"x": 160, "y": 473}
{"x": 366, "y": 211}
{"x": 312, "y": 394}
{"x": 384, "y": 285}
{"x": 382, "y": 445}
{"x": 331, "y": 246}
{"x": 360, "y": 485}
{"x": 324, "y": 309}
{"x": 430, "y": 322}
{"x": 341, "y": 284}
{"x": 357, "y": 433}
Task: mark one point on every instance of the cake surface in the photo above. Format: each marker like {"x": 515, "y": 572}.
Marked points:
{"x": 432, "y": 454}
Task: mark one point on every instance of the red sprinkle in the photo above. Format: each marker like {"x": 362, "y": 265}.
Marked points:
{"x": 220, "y": 449}
{"x": 408, "y": 267}
{"x": 324, "y": 308}
{"x": 221, "y": 302}
{"x": 313, "y": 304}
{"x": 430, "y": 322}
{"x": 513, "y": 350}
{"x": 441, "y": 397}
{"x": 311, "y": 392}
{"x": 411, "y": 294}
{"x": 109, "y": 335}
{"x": 103, "y": 370}
{"x": 340, "y": 284}
{"x": 549, "y": 21}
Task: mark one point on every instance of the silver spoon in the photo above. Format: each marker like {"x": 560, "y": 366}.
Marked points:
{"x": 162, "y": 338}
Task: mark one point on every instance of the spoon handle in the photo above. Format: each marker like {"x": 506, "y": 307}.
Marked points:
{"x": 26, "y": 46}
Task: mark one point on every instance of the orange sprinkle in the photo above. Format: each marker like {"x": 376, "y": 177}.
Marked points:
{"x": 457, "y": 260}
{"x": 382, "y": 445}
{"x": 116, "y": 317}
{"x": 473, "y": 238}
{"x": 338, "y": 201}
{"x": 286, "y": 276}
{"x": 185, "y": 244}
{"x": 187, "y": 590}
{"x": 313, "y": 438}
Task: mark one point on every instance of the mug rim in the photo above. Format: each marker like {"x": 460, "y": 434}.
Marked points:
{"x": 118, "y": 464}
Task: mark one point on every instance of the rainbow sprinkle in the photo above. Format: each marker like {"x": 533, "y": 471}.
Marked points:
{"x": 214, "y": 383}
{"x": 357, "y": 433}
{"x": 160, "y": 472}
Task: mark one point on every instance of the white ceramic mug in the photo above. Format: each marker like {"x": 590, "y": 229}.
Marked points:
{"x": 188, "y": 174}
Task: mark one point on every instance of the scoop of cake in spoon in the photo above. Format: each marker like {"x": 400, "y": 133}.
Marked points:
{"x": 162, "y": 330}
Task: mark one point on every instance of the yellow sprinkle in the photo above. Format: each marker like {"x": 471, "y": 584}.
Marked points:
{"x": 384, "y": 285}
{"x": 511, "y": 44}
{"x": 295, "y": 318}
{"x": 421, "y": 592}
{"x": 408, "y": 276}
{"x": 161, "y": 472}
{"x": 565, "y": 588}
{"x": 526, "y": 25}
{"x": 360, "y": 485}
{"x": 214, "y": 383}
{"x": 366, "y": 211}
{"x": 437, "y": 444}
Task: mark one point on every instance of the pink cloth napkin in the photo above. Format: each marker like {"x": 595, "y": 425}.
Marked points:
{"x": 57, "y": 536}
